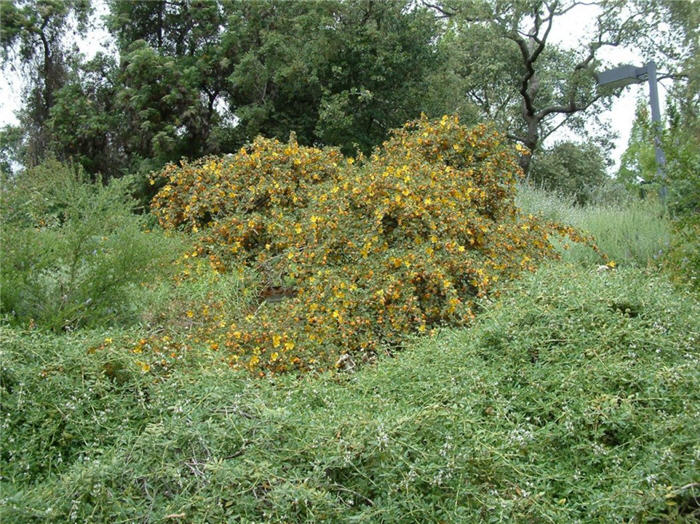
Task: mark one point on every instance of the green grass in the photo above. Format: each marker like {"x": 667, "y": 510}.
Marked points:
{"x": 574, "y": 397}
{"x": 633, "y": 233}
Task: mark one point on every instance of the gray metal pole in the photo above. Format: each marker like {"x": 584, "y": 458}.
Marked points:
{"x": 658, "y": 126}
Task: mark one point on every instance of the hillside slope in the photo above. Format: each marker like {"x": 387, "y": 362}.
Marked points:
{"x": 573, "y": 397}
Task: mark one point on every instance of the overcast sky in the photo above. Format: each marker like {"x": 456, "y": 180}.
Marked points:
{"x": 566, "y": 31}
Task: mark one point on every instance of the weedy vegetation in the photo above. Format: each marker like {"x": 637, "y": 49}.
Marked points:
{"x": 572, "y": 397}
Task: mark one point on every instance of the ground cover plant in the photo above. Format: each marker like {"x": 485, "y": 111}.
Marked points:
{"x": 574, "y": 397}
{"x": 357, "y": 255}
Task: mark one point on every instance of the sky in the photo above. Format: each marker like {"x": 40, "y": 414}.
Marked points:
{"x": 567, "y": 32}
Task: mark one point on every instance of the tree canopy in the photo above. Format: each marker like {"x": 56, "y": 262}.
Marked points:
{"x": 194, "y": 77}
{"x": 512, "y": 69}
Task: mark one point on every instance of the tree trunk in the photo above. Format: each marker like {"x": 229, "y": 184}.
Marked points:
{"x": 531, "y": 142}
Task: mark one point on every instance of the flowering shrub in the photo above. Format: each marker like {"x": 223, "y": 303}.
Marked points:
{"x": 355, "y": 256}
{"x": 245, "y": 201}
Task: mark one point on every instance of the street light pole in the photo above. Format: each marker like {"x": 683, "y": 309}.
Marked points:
{"x": 625, "y": 75}
{"x": 658, "y": 126}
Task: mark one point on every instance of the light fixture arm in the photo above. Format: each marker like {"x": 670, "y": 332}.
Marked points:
{"x": 625, "y": 75}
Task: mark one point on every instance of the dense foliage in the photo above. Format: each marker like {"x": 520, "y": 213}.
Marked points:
{"x": 72, "y": 249}
{"x": 573, "y": 169}
{"x": 185, "y": 78}
{"x": 194, "y": 78}
{"x": 679, "y": 180}
{"x": 572, "y": 398}
{"x": 359, "y": 254}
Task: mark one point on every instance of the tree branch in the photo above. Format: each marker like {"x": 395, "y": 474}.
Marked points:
{"x": 571, "y": 107}
{"x": 444, "y": 13}
{"x": 517, "y": 138}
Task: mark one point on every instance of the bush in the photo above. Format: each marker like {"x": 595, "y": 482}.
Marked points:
{"x": 72, "y": 249}
{"x": 681, "y": 181}
{"x": 574, "y": 169}
{"x": 683, "y": 171}
{"x": 355, "y": 256}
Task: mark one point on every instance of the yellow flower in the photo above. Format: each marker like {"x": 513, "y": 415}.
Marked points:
{"x": 289, "y": 346}
{"x": 276, "y": 340}
{"x": 274, "y": 356}
{"x": 190, "y": 313}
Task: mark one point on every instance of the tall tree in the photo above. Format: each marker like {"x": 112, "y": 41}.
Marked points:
{"x": 199, "y": 77}
{"x": 173, "y": 66}
{"x": 377, "y": 57}
{"x": 516, "y": 74}
{"x": 340, "y": 73}
{"x": 33, "y": 40}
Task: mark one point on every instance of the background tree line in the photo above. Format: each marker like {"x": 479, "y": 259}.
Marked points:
{"x": 194, "y": 77}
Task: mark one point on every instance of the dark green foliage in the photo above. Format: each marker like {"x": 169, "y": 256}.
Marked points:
{"x": 194, "y": 78}
{"x": 573, "y": 169}
{"x": 86, "y": 122}
{"x": 340, "y": 73}
{"x": 33, "y": 39}
{"x": 373, "y": 77}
